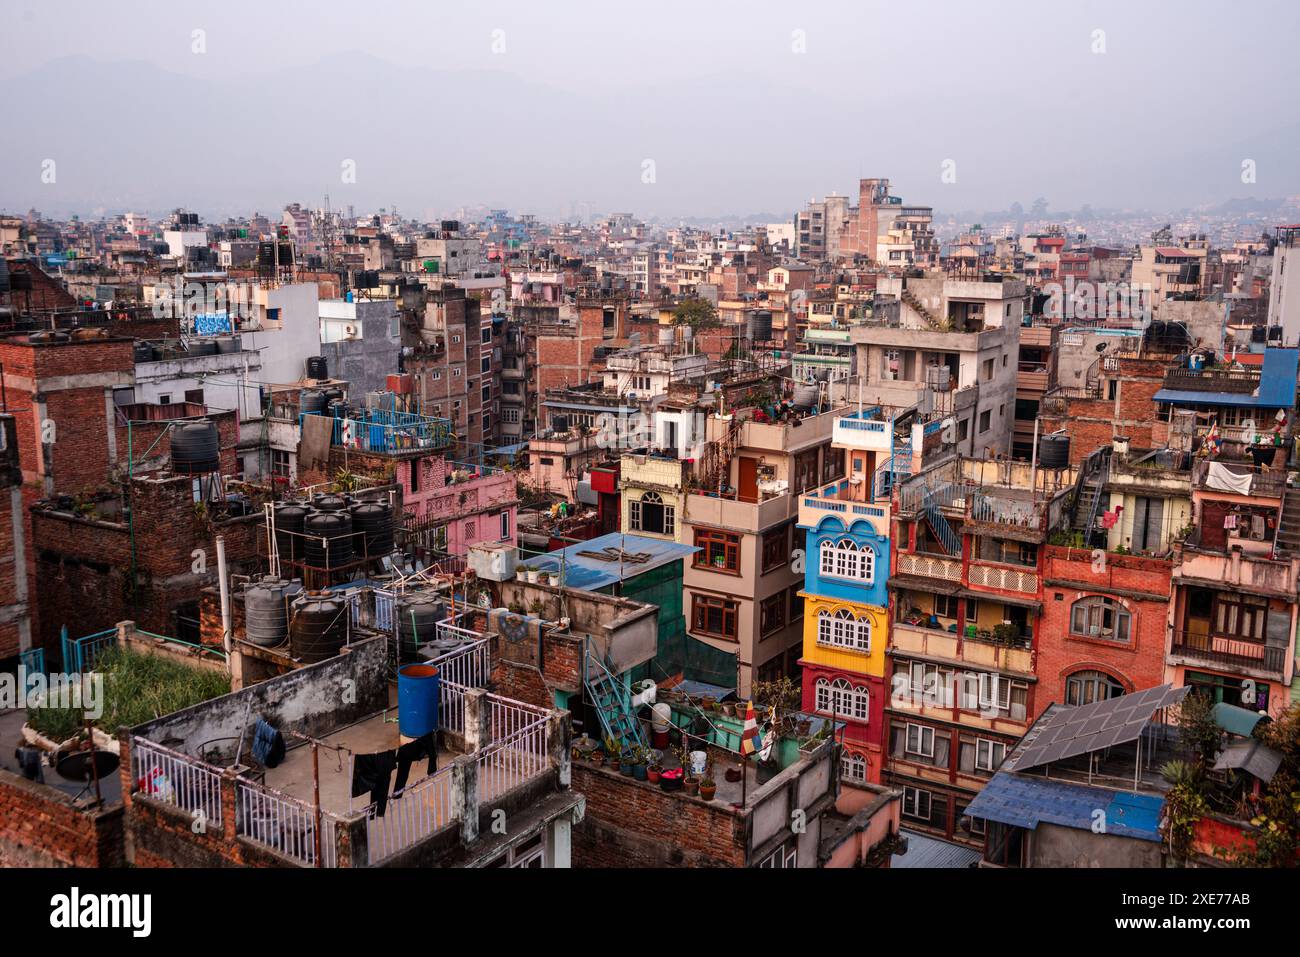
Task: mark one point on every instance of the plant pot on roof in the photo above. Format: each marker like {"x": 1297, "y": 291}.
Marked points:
{"x": 671, "y": 779}
{"x": 692, "y": 785}
{"x": 654, "y": 772}
{"x": 708, "y": 788}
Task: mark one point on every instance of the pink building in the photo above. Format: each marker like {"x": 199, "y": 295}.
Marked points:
{"x": 450, "y": 506}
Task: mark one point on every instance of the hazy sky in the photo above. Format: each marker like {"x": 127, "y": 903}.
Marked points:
{"x": 743, "y": 107}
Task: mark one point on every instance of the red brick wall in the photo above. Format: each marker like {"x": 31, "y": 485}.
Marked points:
{"x": 40, "y": 828}
{"x": 632, "y": 823}
{"x": 1136, "y": 665}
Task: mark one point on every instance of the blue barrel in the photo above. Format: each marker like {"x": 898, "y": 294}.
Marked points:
{"x": 417, "y": 700}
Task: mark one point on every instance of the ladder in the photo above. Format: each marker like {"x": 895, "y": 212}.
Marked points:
{"x": 613, "y": 703}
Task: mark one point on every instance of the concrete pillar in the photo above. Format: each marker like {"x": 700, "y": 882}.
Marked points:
{"x": 559, "y": 843}
{"x": 478, "y": 720}
{"x": 559, "y": 732}
{"x": 464, "y": 797}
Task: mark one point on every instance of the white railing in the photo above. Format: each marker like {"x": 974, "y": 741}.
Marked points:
{"x": 466, "y": 667}
{"x": 947, "y": 569}
{"x": 1007, "y": 579}
{"x": 284, "y": 824}
{"x": 423, "y": 809}
{"x": 512, "y": 760}
{"x": 176, "y": 779}
{"x": 508, "y": 716}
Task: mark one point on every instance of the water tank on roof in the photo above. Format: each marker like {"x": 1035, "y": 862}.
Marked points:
{"x": 328, "y": 539}
{"x": 48, "y": 337}
{"x": 311, "y": 400}
{"x": 1054, "y": 451}
{"x": 229, "y": 344}
{"x": 266, "y": 611}
{"x": 417, "y": 621}
{"x": 143, "y": 351}
{"x": 203, "y": 347}
{"x": 317, "y": 367}
{"x": 760, "y": 325}
{"x": 329, "y": 502}
{"x": 319, "y": 627}
{"x": 290, "y": 518}
{"x": 374, "y": 522}
{"x": 195, "y": 447}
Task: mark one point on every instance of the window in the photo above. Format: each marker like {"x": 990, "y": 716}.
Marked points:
{"x": 995, "y": 692}
{"x": 485, "y": 364}
{"x": 985, "y": 421}
{"x": 415, "y": 476}
{"x": 783, "y": 857}
{"x": 853, "y": 767}
{"x": 280, "y": 463}
{"x": 510, "y": 416}
{"x": 843, "y": 630}
{"x": 505, "y": 526}
{"x": 920, "y": 740}
{"x": 1240, "y": 616}
{"x": 776, "y": 548}
{"x": 989, "y": 754}
{"x": 194, "y": 395}
{"x": 1100, "y": 618}
{"x": 844, "y": 559}
{"x": 456, "y": 372}
{"x": 916, "y": 803}
{"x": 714, "y": 616}
{"x": 772, "y": 614}
{"x": 1085, "y": 687}
{"x": 487, "y": 336}
{"x": 796, "y": 603}
{"x": 841, "y": 698}
{"x": 720, "y": 551}
{"x": 650, "y": 514}
{"x": 487, "y": 421}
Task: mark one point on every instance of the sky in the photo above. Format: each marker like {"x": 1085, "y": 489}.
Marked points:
{"x": 667, "y": 109}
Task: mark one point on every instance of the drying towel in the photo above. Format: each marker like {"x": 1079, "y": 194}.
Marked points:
{"x": 268, "y": 745}
{"x": 1219, "y": 476}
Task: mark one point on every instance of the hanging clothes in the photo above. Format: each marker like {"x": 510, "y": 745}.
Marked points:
{"x": 408, "y": 754}
{"x": 371, "y": 772}
{"x": 268, "y": 745}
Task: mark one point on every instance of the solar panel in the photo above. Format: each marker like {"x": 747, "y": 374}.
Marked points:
{"x": 1092, "y": 727}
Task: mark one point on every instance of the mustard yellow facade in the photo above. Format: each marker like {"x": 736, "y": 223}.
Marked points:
{"x": 819, "y": 609}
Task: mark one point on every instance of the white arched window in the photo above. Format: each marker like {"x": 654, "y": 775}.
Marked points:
{"x": 650, "y": 514}
{"x": 842, "y": 699}
{"x": 843, "y": 630}
{"x": 846, "y": 559}
{"x": 853, "y": 767}
{"x": 1098, "y": 617}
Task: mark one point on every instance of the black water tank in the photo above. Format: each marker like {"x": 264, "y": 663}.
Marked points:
{"x": 47, "y": 336}
{"x": 329, "y": 539}
{"x": 204, "y": 347}
{"x": 290, "y": 519}
{"x": 374, "y": 520}
{"x": 317, "y": 367}
{"x": 143, "y": 352}
{"x": 195, "y": 447}
{"x": 417, "y": 621}
{"x": 761, "y": 325}
{"x": 1054, "y": 451}
{"x": 319, "y": 627}
{"x": 311, "y": 400}
{"x": 329, "y": 502}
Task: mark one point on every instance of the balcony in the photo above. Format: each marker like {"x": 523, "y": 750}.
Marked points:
{"x": 1222, "y": 651}
{"x": 930, "y": 566}
{"x": 1003, "y": 578}
{"x": 1243, "y": 381}
{"x": 1238, "y": 478}
{"x": 1260, "y": 576}
{"x": 846, "y": 501}
{"x": 386, "y": 432}
{"x": 793, "y": 436}
{"x": 864, "y": 430}
{"x": 739, "y": 514}
{"x": 907, "y": 639}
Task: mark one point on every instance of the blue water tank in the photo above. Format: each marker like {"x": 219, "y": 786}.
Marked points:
{"x": 417, "y": 700}
{"x": 348, "y": 297}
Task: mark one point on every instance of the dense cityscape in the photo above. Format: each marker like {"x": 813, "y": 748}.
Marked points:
{"x": 883, "y": 531}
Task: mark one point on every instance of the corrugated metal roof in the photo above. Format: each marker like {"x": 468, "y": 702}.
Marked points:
{"x": 1276, "y": 390}
{"x": 1024, "y": 800}
{"x": 596, "y": 563}
{"x": 925, "y": 851}
{"x": 1236, "y": 720}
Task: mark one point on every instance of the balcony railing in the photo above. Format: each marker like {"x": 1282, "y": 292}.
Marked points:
{"x": 1213, "y": 380}
{"x": 929, "y": 566}
{"x": 1229, "y": 651}
{"x": 1006, "y": 579}
{"x": 1232, "y": 477}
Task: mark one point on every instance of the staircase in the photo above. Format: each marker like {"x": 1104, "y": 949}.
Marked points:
{"x": 942, "y": 530}
{"x": 898, "y": 465}
{"x": 716, "y": 462}
{"x": 909, "y": 297}
{"x": 1288, "y": 529}
{"x": 1088, "y": 500}
{"x": 613, "y": 704}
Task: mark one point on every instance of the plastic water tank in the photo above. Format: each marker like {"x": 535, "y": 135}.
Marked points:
{"x": 328, "y": 539}
{"x": 289, "y": 522}
{"x": 417, "y": 699}
{"x": 1053, "y": 451}
{"x": 266, "y": 611}
{"x": 319, "y": 627}
{"x": 195, "y": 447}
{"x": 311, "y": 400}
{"x": 374, "y": 520}
{"x": 760, "y": 325}
{"x": 329, "y": 502}
{"x": 417, "y": 620}
{"x": 317, "y": 367}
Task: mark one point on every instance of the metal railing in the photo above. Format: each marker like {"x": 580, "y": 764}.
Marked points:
{"x": 1229, "y": 651}
{"x": 79, "y": 654}
{"x": 284, "y": 824}
{"x": 515, "y": 758}
{"x": 177, "y": 779}
{"x": 422, "y": 809}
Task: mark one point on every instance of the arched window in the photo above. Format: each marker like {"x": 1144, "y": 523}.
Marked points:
{"x": 650, "y": 514}
{"x": 842, "y": 699}
{"x": 853, "y": 767}
{"x": 1085, "y": 687}
{"x": 1098, "y": 617}
{"x": 846, "y": 559}
{"x": 844, "y": 630}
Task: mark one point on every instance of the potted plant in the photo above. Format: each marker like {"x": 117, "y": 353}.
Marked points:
{"x": 707, "y": 789}
{"x": 543, "y": 578}
{"x": 654, "y": 772}
{"x": 692, "y": 785}
{"x": 639, "y": 769}
{"x": 598, "y": 757}
{"x": 1005, "y": 633}
{"x": 671, "y": 779}
{"x": 728, "y": 709}
{"x": 613, "y": 753}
